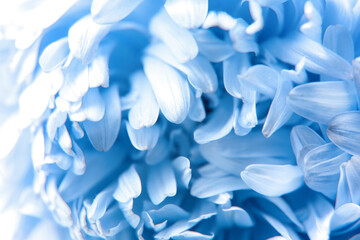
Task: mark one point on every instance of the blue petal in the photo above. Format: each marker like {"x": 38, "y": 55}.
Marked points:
{"x": 197, "y": 110}
{"x": 64, "y": 139}
{"x": 256, "y": 14}
{"x": 261, "y": 78}
{"x": 247, "y": 117}
{"x": 159, "y": 153}
{"x": 54, "y": 55}
{"x": 319, "y": 59}
{"x": 343, "y": 130}
{"x": 207, "y": 187}
{"x": 129, "y": 185}
{"x": 233, "y": 153}
{"x": 144, "y": 138}
{"x": 345, "y": 216}
{"x": 279, "y": 113}
{"x": 319, "y": 102}
{"x": 179, "y": 40}
{"x": 99, "y": 72}
{"x": 187, "y": 13}
{"x": 322, "y": 168}
{"x": 102, "y": 134}
{"x": 302, "y": 136}
{"x": 170, "y": 88}
{"x": 191, "y": 235}
{"x": 272, "y": 180}
{"x": 214, "y": 49}
{"x": 111, "y": 11}
{"x": 161, "y": 182}
{"x": 56, "y": 119}
{"x": 312, "y": 28}
{"x": 338, "y": 39}
{"x": 234, "y": 216}
{"x": 84, "y": 38}
{"x": 299, "y": 75}
{"x": 92, "y": 107}
{"x": 183, "y": 170}
{"x": 145, "y": 112}
{"x": 232, "y": 67}
{"x": 218, "y": 125}
{"x": 243, "y": 41}
{"x": 98, "y": 207}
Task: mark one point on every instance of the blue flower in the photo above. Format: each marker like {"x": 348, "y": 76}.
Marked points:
{"x": 179, "y": 119}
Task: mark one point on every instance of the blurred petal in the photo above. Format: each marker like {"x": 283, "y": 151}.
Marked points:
{"x": 111, "y": 11}
{"x": 319, "y": 102}
{"x": 272, "y": 180}
{"x": 234, "y": 216}
{"x": 102, "y": 134}
{"x": 187, "y": 13}
{"x": 243, "y": 41}
{"x": 338, "y": 39}
{"x": 99, "y": 72}
{"x": 170, "y": 88}
{"x": 54, "y": 55}
{"x": 161, "y": 182}
{"x": 343, "y": 130}
{"x": 192, "y": 235}
{"x": 179, "y": 40}
{"x": 197, "y": 110}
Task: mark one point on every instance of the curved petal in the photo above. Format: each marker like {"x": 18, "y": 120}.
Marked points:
{"x": 302, "y": 136}
{"x": 243, "y": 41}
{"x": 170, "y": 88}
{"x": 272, "y": 180}
{"x": 345, "y": 216}
{"x": 144, "y": 138}
{"x": 99, "y": 72}
{"x": 218, "y": 125}
{"x": 179, "y": 40}
{"x": 54, "y": 55}
{"x": 129, "y": 186}
{"x": 112, "y": 11}
{"x": 187, "y": 13}
{"x": 102, "y": 134}
{"x": 319, "y": 102}
{"x": 343, "y": 130}
{"x": 318, "y": 59}
{"x": 161, "y": 182}
{"x": 338, "y": 39}
{"x": 234, "y": 216}
{"x": 183, "y": 170}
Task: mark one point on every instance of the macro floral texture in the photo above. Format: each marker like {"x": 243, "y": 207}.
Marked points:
{"x": 180, "y": 119}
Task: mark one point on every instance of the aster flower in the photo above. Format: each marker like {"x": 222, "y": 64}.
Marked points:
{"x": 179, "y": 119}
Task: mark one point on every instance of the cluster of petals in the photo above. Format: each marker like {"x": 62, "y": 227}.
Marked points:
{"x": 180, "y": 119}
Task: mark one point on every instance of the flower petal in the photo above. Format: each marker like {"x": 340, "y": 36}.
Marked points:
{"x": 219, "y": 124}
{"x": 234, "y": 216}
{"x": 170, "y": 88}
{"x": 143, "y": 138}
{"x": 54, "y": 55}
{"x": 205, "y": 187}
{"x": 84, "y": 38}
{"x": 319, "y": 59}
{"x": 272, "y": 180}
{"x": 129, "y": 185}
{"x": 102, "y": 134}
{"x": 345, "y": 216}
{"x": 302, "y": 136}
{"x": 187, "y": 13}
{"x": 343, "y": 130}
{"x": 99, "y": 72}
{"x": 338, "y": 39}
{"x": 319, "y": 102}
{"x": 111, "y": 11}
{"x": 243, "y": 41}
{"x": 161, "y": 182}
{"x": 179, "y": 40}
{"x": 183, "y": 170}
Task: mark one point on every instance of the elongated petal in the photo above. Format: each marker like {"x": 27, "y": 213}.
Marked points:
{"x": 92, "y": 107}
{"x": 234, "y": 216}
{"x": 197, "y": 110}
{"x": 187, "y": 13}
{"x": 219, "y": 124}
{"x": 145, "y": 112}
{"x": 281, "y": 228}
{"x": 343, "y": 130}
{"x": 111, "y": 11}
{"x": 102, "y": 134}
{"x": 144, "y": 138}
{"x": 272, "y": 180}
{"x": 182, "y": 170}
{"x": 345, "y": 216}
{"x": 179, "y": 40}
{"x": 129, "y": 185}
{"x": 261, "y": 78}
{"x": 243, "y": 41}
{"x": 56, "y": 119}
{"x": 322, "y": 168}
{"x": 302, "y": 136}
{"x": 187, "y": 235}
{"x": 54, "y": 55}
{"x": 323, "y": 61}
{"x": 319, "y": 102}
{"x": 349, "y": 182}
{"x": 161, "y": 182}
{"x": 208, "y": 187}
{"x": 170, "y": 88}
{"x": 214, "y": 49}
{"x": 279, "y": 113}
{"x": 232, "y": 67}
{"x": 233, "y": 153}
{"x": 84, "y": 38}
{"x": 99, "y": 72}
{"x": 338, "y": 39}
